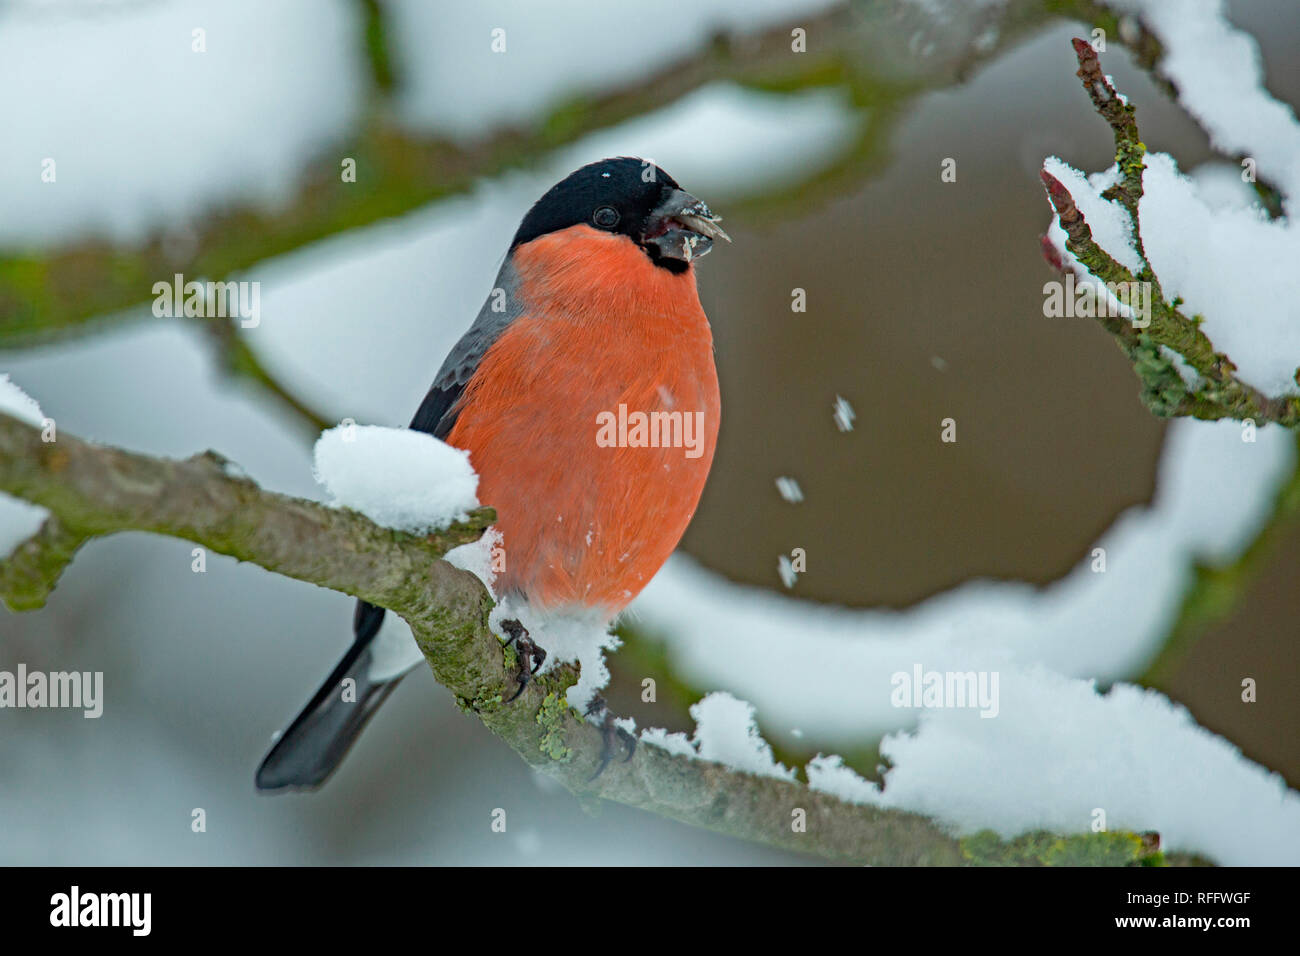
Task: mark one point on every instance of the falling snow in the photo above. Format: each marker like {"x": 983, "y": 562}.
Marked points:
{"x": 843, "y": 414}
{"x": 789, "y": 489}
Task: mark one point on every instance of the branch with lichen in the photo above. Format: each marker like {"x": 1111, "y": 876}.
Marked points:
{"x": 86, "y": 285}
{"x": 1218, "y": 392}
{"x": 93, "y": 490}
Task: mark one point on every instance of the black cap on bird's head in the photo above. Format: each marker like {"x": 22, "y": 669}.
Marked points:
{"x": 631, "y": 197}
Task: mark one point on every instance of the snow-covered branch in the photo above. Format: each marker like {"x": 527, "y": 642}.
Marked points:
{"x": 94, "y": 490}
{"x": 1182, "y": 371}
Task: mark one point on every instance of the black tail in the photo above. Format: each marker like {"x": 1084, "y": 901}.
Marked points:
{"x": 319, "y": 737}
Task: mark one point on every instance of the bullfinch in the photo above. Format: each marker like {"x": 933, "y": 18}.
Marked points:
{"x": 586, "y": 395}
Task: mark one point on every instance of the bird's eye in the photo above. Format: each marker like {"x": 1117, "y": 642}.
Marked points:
{"x": 605, "y": 216}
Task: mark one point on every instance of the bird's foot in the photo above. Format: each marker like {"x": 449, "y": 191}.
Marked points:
{"x": 531, "y": 657}
{"x": 612, "y": 735}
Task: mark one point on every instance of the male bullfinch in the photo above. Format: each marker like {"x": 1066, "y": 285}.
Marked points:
{"x": 586, "y": 395}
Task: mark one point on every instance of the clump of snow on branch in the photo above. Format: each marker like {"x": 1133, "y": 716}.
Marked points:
{"x": 1232, "y": 266}
{"x": 396, "y": 477}
{"x": 1060, "y": 751}
{"x": 19, "y": 519}
{"x": 14, "y": 401}
{"x": 1229, "y": 100}
{"x": 477, "y": 558}
{"x": 1224, "y": 258}
{"x": 1211, "y": 247}
{"x": 1109, "y": 221}
{"x": 410, "y": 480}
{"x": 726, "y": 733}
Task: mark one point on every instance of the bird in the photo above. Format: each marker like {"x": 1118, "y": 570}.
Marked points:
{"x": 586, "y": 394}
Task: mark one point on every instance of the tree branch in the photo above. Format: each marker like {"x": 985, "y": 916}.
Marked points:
{"x": 93, "y": 490}
{"x": 1219, "y": 393}
{"x": 92, "y": 283}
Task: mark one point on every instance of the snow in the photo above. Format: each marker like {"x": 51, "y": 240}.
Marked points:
{"x": 19, "y": 520}
{"x": 726, "y": 733}
{"x": 466, "y": 85}
{"x": 1229, "y": 100}
{"x": 789, "y": 489}
{"x": 844, "y": 414}
{"x": 278, "y": 84}
{"x": 827, "y": 773}
{"x": 14, "y": 401}
{"x": 723, "y": 140}
{"x": 677, "y": 744}
{"x": 397, "y": 477}
{"x": 282, "y": 84}
{"x": 1208, "y": 242}
{"x": 1221, "y": 255}
{"x": 1231, "y": 265}
{"x": 1109, "y": 221}
{"x": 1060, "y": 750}
{"x": 1213, "y": 494}
{"x": 569, "y": 636}
{"x": 785, "y": 569}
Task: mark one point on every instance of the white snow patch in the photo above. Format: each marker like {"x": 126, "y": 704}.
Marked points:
{"x": 145, "y": 132}
{"x": 1231, "y": 265}
{"x": 19, "y": 519}
{"x": 675, "y": 743}
{"x": 1219, "y": 75}
{"x": 1207, "y": 240}
{"x": 828, "y": 774}
{"x": 1110, "y": 224}
{"x": 468, "y": 86}
{"x": 14, "y": 401}
{"x": 1225, "y": 259}
{"x": 1059, "y": 751}
{"x": 397, "y": 477}
{"x": 725, "y": 733}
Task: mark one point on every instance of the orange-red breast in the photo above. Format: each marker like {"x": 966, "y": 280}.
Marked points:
{"x": 586, "y": 394}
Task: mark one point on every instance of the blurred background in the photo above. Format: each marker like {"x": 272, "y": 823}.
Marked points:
{"x": 924, "y": 301}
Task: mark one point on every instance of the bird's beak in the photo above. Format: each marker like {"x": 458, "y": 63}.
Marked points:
{"x": 683, "y": 227}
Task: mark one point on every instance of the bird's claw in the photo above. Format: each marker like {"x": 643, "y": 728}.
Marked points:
{"x": 531, "y": 657}
{"x": 611, "y": 735}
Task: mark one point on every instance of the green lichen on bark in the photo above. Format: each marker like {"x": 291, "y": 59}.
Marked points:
{"x": 1217, "y": 392}
{"x": 551, "y": 718}
{"x": 1041, "y": 848}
